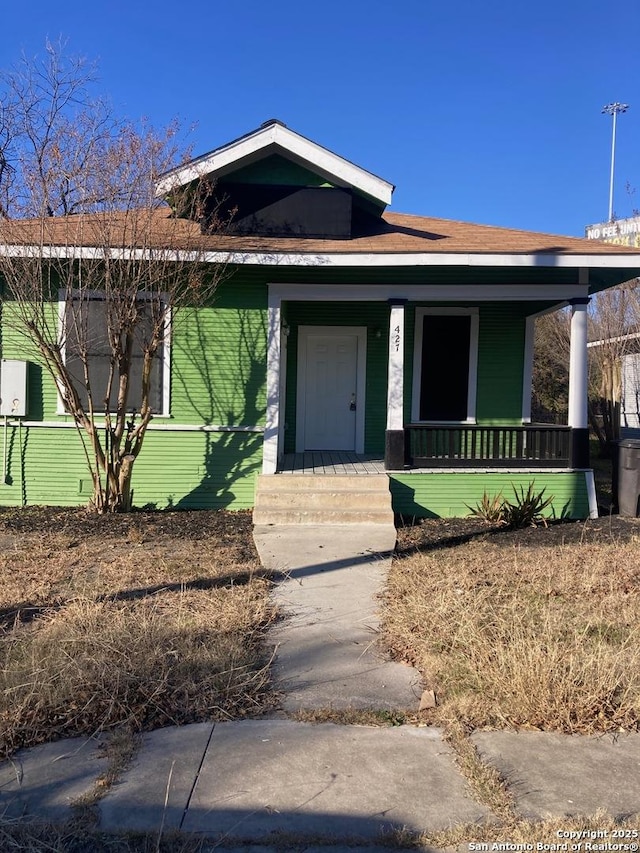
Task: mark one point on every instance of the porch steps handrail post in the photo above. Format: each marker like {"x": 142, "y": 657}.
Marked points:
{"x": 394, "y": 446}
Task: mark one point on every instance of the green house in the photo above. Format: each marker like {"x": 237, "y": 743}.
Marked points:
{"x": 342, "y": 337}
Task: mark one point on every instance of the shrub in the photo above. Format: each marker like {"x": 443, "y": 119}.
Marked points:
{"x": 526, "y": 510}
{"x": 489, "y": 509}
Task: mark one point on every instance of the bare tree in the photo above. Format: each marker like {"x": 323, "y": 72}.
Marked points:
{"x": 550, "y": 386}
{"x": 614, "y": 318}
{"x": 96, "y": 268}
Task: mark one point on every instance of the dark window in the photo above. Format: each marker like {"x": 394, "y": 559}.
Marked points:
{"x": 444, "y": 385}
{"x": 86, "y": 328}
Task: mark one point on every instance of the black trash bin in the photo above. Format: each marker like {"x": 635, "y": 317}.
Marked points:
{"x": 629, "y": 477}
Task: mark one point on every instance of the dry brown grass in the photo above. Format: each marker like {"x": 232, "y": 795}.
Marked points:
{"x": 529, "y": 635}
{"x": 73, "y": 838}
{"x": 47, "y": 838}
{"x": 597, "y": 829}
{"x": 129, "y": 627}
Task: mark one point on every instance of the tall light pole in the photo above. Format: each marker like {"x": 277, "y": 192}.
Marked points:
{"x": 613, "y": 110}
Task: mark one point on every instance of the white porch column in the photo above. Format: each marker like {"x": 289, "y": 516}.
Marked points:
{"x": 578, "y": 385}
{"x": 272, "y": 418}
{"x": 527, "y": 371}
{"x": 394, "y": 439}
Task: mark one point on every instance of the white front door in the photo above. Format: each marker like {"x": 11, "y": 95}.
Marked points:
{"x": 330, "y": 414}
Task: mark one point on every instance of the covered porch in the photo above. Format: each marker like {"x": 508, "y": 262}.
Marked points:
{"x": 482, "y": 419}
{"x": 448, "y": 446}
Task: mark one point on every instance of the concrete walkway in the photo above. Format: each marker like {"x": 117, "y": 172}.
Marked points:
{"x": 253, "y": 785}
{"x": 327, "y": 651}
{"x": 251, "y": 782}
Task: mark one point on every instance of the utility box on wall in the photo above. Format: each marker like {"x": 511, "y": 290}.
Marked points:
{"x": 13, "y": 388}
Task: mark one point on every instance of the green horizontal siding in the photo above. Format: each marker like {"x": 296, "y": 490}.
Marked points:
{"x": 218, "y": 377}
{"x": 43, "y": 467}
{"x": 218, "y": 359}
{"x": 192, "y": 470}
{"x": 501, "y": 338}
{"x": 441, "y": 275}
{"x": 198, "y": 470}
{"x": 42, "y": 394}
{"x": 449, "y": 495}
{"x": 276, "y": 170}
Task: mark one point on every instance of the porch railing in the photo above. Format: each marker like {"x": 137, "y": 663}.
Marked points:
{"x": 535, "y": 445}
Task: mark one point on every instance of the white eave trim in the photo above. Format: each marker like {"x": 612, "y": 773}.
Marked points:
{"x": 430, "y": 259}
{"x": 342, "y": 259}
{"x": 301, "y": 148}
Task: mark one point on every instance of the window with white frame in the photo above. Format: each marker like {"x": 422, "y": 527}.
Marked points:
{"x": 445, "y": 365}
{"x": 86, "y": 336}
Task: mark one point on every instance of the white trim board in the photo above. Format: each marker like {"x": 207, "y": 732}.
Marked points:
{"x": 591, "y": 493}
{"x": 153, "y": 427}
{"x": 425, "y": 259}
{"x": 323, "y": 260}
{"x": 410, "y": 472}
{"x": 275, "y": 137}
{"x": 632, "y": 336}
{"x": 527, "y": 367}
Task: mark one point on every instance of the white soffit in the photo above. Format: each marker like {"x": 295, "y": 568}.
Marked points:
{"x": 303, "y": 260}
{"x": 273, "y": 138}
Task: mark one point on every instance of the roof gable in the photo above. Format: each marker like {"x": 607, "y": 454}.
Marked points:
{"x": 275, "y": 138}
{"x": 276, "y": 169}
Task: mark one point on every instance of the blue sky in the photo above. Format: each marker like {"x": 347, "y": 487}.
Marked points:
{"x": 481, "y": 111}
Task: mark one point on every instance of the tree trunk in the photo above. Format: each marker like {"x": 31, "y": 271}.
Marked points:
{"x": 114, "y": 493}
{"x": 125, "y": 494}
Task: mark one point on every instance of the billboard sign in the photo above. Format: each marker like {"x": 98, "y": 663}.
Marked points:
{"x": 623, "y": 232}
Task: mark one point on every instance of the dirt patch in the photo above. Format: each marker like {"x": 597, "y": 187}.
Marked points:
{"x": 221, "y": 525}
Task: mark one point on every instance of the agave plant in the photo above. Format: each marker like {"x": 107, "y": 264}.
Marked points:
{"x": 526, "y": 510}
{"x": 490, "y": 508}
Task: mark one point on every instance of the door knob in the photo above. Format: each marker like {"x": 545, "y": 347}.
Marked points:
{"x": 352, "y": 404}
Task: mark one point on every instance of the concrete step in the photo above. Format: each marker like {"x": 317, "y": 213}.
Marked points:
{"x": 322, "y": 482}
{"x": 342, "y": 498}
{"x": 324, "y": 516}
{"x": 323, "y": 499}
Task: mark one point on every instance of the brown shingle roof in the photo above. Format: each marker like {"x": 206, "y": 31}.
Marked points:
{"x": 395, "y": 233}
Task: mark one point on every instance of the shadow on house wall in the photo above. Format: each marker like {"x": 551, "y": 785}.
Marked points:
{"x": 219, "y": 378}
